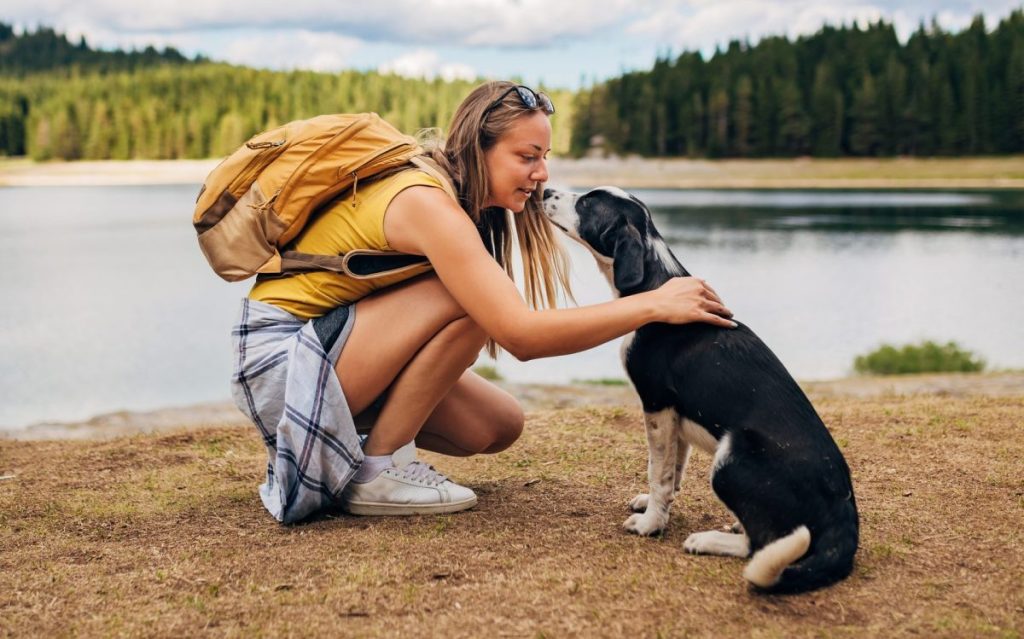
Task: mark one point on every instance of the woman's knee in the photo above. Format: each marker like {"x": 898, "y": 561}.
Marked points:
{"x": 506, "y": 426}
{"x": 469, "y": 331}
{"x": 463, "y": 338}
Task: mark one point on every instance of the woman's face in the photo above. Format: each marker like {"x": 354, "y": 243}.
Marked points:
{"x": 517, "y": 163}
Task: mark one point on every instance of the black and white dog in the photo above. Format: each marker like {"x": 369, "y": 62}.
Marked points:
{"x": 722, "y": 390}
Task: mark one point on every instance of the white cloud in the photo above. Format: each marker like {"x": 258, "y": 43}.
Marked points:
{"x": 423, "y": 63}
{"x": 705, "y": 24}
{"x": 107, "y": 39}
{"x": 506, "y": 23}
{"x": 567, "y": 39}
{"x": 292, "y": 49}
{"x": 260, "y": 48}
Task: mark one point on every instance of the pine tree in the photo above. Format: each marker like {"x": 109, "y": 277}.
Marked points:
{"x": 892, "y": 108}
{"x": 794, "y": 125}
{"x": 695, "y": 130}
{"x": 864, "y": 135}
{"x": 98, "y": 144}
{"x": 718, "y": 123}
{"x": 743, "y": 117}
{"x": 1015, "y": 95}
{"x": 826, "y": 113}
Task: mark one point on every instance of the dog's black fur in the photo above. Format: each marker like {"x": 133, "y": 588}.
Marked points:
{"x": 780, "y": 468}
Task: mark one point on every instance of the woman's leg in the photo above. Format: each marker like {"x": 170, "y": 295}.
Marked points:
{"x": 416, "y": 342}
{"x": 474, "y": 417}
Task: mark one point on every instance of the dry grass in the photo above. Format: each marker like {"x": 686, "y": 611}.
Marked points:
{"x": 165, "y": 536}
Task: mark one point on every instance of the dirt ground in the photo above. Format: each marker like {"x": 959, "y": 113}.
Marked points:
{"x": 164, "y": 535}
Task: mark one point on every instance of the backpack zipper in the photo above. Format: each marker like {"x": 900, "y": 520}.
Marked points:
{"x": 381, "y": 153}
{"x": 263, "y": 145}
{"x": 267, "y": 153}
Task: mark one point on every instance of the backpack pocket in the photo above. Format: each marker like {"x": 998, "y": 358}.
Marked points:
{"x": 265, "y": 153}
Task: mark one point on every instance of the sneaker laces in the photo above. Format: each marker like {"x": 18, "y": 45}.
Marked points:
{"x": 421, "y": 471}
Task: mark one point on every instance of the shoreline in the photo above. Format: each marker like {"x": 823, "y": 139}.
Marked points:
{"x": 798, "y": 173}
{"x": 533, "y": 397}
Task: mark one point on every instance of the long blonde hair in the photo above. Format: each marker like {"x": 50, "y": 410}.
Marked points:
{"x": 473, "y": 131}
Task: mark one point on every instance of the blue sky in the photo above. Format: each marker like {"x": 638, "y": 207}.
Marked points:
{"x": 560, "y": 43}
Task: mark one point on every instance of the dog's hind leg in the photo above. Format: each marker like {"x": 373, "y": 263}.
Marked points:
{"x": 717, "y": 542}
{"x": 663, "y": 456}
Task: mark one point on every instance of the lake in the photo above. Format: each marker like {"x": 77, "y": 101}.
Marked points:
{"x": 109, "y": 305}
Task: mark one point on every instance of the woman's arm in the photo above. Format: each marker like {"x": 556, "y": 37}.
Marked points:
{"x": 425, "y": 221}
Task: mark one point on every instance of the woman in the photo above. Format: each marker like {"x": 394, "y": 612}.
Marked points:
{"x": 409, "y": 339}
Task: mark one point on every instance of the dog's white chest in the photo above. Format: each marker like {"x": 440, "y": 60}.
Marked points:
{"x": 627, "y": 342}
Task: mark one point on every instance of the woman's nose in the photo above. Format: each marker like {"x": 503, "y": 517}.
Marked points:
{"x": 540, "y": 173}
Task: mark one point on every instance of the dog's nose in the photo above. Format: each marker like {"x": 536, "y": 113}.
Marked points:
{"x": 548, "y": 193}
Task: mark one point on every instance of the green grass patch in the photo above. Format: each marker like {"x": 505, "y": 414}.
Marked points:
{"x": 926, "y": 357}
{"x": 488, "y": 372}
{"x": 602, "y": 381}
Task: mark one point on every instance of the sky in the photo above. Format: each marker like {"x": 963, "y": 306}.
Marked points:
{"x": 559, "y": 43}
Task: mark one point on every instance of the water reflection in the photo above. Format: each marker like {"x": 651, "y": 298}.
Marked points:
{"x": 990, "y": 211}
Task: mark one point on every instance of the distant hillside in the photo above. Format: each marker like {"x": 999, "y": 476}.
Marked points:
{"x": 846, "y": 90}
{"x": 65, "y": 101}
{"x": 45, "y": 49}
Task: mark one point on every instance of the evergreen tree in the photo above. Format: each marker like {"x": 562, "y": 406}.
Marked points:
{"x": 864, "y": 135}
{"x": 826, "y": 113}
{"x": 99, "y": 143}
{"x": 1015, "y": 96}
{"x": 893, "y": 108}
{"x": 743, "y": 117}
{"x": 695, "y": 134}
{"x": 794, "y": 125}
{"x": 718, "y": 123}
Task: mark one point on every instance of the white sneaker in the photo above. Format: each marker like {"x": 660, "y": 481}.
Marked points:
{"x": 411, "y": 487}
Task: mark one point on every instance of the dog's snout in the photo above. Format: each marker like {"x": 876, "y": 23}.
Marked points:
{"x": 548, "y": 193}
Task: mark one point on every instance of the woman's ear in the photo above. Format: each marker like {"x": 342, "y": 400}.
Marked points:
{"x": 628, "y": 264}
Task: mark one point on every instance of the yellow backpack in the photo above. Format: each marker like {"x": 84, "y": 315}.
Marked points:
{"x": 260, "y": 197}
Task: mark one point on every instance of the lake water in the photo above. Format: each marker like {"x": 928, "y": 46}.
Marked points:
{"x": 108, "y": 303}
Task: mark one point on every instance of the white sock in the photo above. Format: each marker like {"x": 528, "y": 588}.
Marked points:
{"x": 372, "y": 466}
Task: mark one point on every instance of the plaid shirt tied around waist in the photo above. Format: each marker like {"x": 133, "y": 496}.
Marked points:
{"x": 285, "y": 382}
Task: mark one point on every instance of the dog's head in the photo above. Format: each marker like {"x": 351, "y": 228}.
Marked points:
{"x": 614, "y": 225}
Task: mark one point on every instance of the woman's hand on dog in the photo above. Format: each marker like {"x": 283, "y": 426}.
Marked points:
{"x": 682, "y": 300}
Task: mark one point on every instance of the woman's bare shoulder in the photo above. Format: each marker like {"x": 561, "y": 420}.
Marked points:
{"x": 422, "y": 213}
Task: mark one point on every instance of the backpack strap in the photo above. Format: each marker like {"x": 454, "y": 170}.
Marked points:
{"x": 427, "y": 164}
{"x": 359, "y": 264}
{"x": 364, "y": 264}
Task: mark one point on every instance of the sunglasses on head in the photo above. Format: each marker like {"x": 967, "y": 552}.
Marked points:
{"x": 531, "y": 99}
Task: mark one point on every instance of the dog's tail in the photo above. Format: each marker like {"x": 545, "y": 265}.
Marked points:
{"x": 830, "y": 560}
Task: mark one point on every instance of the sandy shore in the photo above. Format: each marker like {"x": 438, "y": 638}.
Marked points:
{"x": 801, "y": 173}
{"x": 533, "y": 397}
{"x": 104, "y": 173}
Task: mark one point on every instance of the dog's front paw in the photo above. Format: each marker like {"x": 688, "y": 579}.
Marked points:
{"x": 644, "y": 524}
{"x": 639, "y": 503}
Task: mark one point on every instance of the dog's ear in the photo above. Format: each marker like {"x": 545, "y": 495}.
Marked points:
{"x": 629, "y": 258}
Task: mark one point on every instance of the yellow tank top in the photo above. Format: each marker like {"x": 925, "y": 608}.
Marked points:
{"x": 355, "y": 221}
